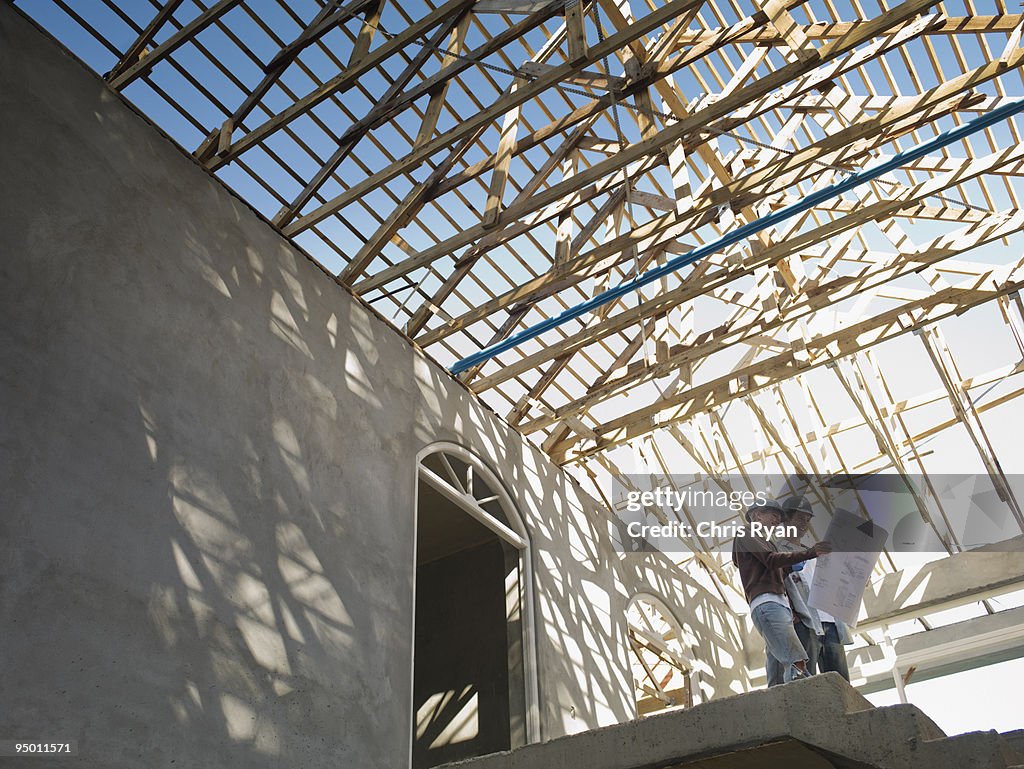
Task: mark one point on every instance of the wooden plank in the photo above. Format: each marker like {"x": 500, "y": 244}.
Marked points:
{"x": 767, "y": 372}
{"x": 499, "y": 108}
{"x": 173, "y": 43}
{"x": 779, "y": 173}
{"x": 576, "y": 34}
{"x": 755, "y": 99}
{"x": 344, "y": 80}
{"x": 137, "y": 50}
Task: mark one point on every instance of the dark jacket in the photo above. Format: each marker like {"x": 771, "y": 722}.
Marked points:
{"x": 761, "y": 565}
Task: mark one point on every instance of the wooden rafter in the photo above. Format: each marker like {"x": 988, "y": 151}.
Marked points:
{"x": 616, "y": 149}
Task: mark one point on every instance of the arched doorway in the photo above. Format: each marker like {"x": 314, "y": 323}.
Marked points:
{"x": 663, "y": 669}
{"x": 474, "y": 679}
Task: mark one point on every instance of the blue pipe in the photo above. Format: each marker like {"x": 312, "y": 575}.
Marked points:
{"x": 742, "y": 233}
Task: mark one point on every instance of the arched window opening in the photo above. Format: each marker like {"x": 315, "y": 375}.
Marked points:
{"x": 474, "y": 682}
{"x": 663, "y": 670}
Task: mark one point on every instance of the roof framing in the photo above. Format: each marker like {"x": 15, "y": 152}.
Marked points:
{"x": 472, "y": 167}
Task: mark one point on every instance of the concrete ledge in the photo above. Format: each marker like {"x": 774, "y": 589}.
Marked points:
{"x": 1015, "y": 741}
{"x": 944, "y": 584}
{"x": 813, "y": 724}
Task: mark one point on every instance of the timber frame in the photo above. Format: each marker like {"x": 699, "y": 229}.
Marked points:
{"x": 470, "y": 168}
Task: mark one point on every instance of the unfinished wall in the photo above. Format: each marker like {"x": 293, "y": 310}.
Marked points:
{"x": 208, "y": 466}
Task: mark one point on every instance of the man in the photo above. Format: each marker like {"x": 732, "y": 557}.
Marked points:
{"x": 833, "y": 635}
{"x": 761, "y": 567}
{"x": 797, "y": 514}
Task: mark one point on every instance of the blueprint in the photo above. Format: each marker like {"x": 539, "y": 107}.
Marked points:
{"x": 841, "y": 576}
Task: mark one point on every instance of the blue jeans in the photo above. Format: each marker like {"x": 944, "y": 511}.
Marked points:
{"x": 833, "y": 653}
{"x": 782, "y": 647}
{"x": 811, "y": 643}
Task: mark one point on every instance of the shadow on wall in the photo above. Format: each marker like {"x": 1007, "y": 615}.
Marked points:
{"x": 582, "y": 584}
{"x": 721, "y": 644}
{"x": 209, "y": 473}
{"x": 578, "y": 593}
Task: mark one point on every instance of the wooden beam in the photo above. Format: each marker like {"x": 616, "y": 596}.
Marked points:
{"x": 440, "y": 93}
{"x": 563, "y": 233}
{"x": 837, "y": 149}
{"x": 502, "y": 160}
{"x": 576, "y": 34}
{"x": 822, "y": 295}
{"x": 613, "y": 220}
{"x": 582, "y": 78}
{"x": 791, "y": 32}
{"x": 758, "y": 97}
{"x": 345, "y": 80}
{"x": 348, "y": 140}
{"x": 173, "y": 43}
{"x": 755, "y": 377}
{"x": 680, "y": 178}
{"x": 137, "y": 50}
{"x": 367, "y": 32}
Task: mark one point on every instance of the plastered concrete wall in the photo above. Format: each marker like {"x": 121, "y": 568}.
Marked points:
{"x": 208, "y": 466}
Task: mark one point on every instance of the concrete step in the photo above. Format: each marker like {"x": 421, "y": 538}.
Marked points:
{"x": 1015, "y": 740}
{"x": 816, "y": 723}
{"x": 973, "y": 750}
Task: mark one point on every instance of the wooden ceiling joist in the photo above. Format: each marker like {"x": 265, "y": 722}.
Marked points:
{"x": 473, "y": 167}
